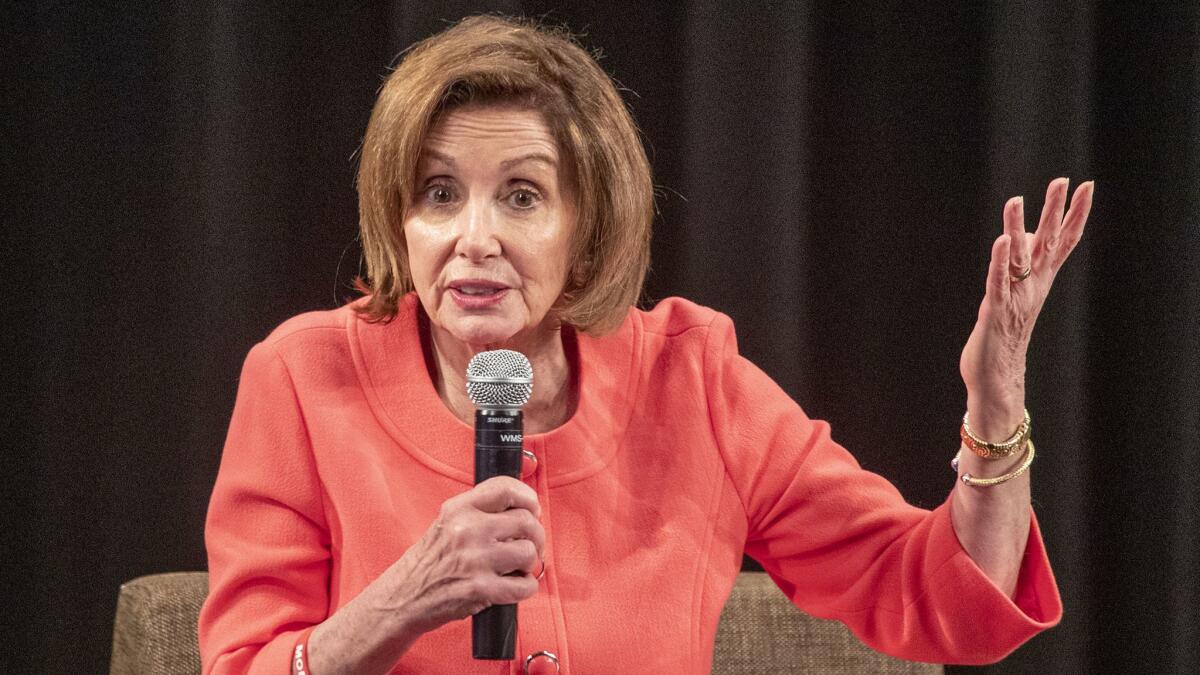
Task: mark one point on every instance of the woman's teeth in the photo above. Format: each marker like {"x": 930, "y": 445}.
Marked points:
{"x": 476, "y": 290}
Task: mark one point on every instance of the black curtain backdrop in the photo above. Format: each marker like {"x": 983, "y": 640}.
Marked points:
{"x": 179, "y": 180}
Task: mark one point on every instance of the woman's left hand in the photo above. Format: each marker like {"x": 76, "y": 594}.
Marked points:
{"x": 1020, "y": 275}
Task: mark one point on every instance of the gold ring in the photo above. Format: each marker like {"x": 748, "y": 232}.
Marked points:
{"x": 1018, "y": 278}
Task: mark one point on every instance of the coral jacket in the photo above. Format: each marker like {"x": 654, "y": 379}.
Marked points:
{"x": 680, "y": 455}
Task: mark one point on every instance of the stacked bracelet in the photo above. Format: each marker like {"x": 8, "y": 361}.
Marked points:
{"x": 988, "y": 482}
{"x": 1018, "y": 441}
{"x": 988, "y": 450}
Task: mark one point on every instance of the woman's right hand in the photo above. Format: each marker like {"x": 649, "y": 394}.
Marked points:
{"x": 483, "y": 549}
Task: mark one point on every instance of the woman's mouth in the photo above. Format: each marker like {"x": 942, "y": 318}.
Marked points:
{"x": 477, "y": 294}
{"x": 476, "y": 290}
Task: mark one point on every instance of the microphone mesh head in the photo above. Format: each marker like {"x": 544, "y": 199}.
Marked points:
{"x": 500, "y": 378}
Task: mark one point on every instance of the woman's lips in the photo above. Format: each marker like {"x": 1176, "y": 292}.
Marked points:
{"x": 478, "y": 295}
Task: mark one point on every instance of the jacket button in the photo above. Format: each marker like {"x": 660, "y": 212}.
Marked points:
{"x": 529, "y": 464}
{"x": 541, "y": 663}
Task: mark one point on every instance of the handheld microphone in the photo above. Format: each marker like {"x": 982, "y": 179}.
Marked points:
{"x": 499, "y": 383}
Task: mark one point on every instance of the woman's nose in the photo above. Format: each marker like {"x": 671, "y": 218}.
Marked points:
{"x": 477, "y": 231}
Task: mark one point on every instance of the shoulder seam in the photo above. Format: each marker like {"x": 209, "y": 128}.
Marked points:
{"x": 274, "y": 339}
{"x": 678, "y": 332}
{"x": 672, "y": 311}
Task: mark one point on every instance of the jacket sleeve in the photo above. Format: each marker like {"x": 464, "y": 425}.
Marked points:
{"x": 842, "y": 543}
{"x": 267, "y": 539}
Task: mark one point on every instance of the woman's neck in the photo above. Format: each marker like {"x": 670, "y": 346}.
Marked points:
{"x": 552, "y": 402}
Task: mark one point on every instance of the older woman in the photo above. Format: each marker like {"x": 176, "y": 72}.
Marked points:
{"x": 506, "y": 202}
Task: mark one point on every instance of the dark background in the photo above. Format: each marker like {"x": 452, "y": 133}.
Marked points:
{"x": 179, "y": 180}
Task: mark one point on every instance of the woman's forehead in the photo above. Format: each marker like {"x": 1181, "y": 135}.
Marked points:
{"x": 509, "y": 134}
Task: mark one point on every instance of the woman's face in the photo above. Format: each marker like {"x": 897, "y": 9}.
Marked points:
{"x": 489, "y": 229}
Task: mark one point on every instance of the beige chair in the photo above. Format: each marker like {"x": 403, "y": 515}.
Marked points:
{"x": 760, "y": 632}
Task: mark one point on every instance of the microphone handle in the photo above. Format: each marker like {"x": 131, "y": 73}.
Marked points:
{"x": 498, "y": 442}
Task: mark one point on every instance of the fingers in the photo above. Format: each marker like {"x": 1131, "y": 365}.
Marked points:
{"x": 998, "y": 269}
{"x": 1074, "y": 222}
{"x": 1050, "y": 226}
{"x": 518, "y": 524}
{"x": 515, "y": 565}
{"x": 502, "y": 493}
{"x": 518, "y": 555}
{"x": 496, "y": 513}
{"x": 506, "y": 590}
{"x": 1014, "y": 229}
{"x": 1057, "y": 234}
{"x": 485, "y": 548}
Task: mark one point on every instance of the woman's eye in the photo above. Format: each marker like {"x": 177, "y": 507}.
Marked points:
{"x": 523, "y": 199}
{"x": 439, "y": 194}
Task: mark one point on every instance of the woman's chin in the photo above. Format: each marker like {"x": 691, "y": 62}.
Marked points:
{"x": 483, "y": 331}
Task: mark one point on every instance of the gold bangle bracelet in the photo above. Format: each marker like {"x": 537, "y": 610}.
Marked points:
{"x": 988, "y": 450}
{"x": 988, "y": 482}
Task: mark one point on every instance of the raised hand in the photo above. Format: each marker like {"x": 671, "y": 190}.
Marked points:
{"x": 1020, "y": 275}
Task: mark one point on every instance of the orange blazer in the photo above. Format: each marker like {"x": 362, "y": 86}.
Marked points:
{"x": 680, "y": 455}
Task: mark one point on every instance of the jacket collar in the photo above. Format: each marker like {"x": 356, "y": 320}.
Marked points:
{"x": 392, "y": 369}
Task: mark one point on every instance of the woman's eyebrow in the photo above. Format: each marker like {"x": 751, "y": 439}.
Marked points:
{"x": 430, "y": 153}
{"x": 531, "y": 157}
{"x": 541, "y": 157}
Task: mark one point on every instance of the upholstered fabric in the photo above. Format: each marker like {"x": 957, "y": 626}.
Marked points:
{"x": 155, "y": 628}
{"x": 760, "y": 632}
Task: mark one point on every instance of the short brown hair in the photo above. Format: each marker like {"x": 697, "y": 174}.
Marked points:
{"x": 498, "y": 60}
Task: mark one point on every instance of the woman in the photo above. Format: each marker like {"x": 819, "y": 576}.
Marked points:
{"x": 506, "y": 202}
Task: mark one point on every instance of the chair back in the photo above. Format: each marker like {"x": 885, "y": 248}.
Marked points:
{"x": 155, "y": 627}
{"x": 760, "y": 632}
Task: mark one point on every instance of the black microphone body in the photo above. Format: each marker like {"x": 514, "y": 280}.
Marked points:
{"x": 498, "y": 444}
